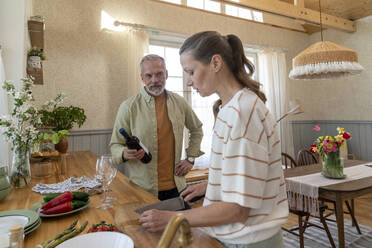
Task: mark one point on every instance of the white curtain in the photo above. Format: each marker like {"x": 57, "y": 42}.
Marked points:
{"x": 138, "y": 43}
{"x": 273, "y": 77}
{"x": 4, "y": 147}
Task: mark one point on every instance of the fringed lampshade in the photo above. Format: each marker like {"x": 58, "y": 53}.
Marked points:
{"x": 325, "y": 60}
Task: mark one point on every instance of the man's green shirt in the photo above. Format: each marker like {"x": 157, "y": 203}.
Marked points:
{"x": 137, "y": 116}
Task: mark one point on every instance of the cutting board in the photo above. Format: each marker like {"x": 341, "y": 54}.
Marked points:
{"x": 127, "y": 222}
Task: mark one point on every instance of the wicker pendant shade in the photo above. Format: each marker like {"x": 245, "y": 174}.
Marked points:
{"x": 324, "y": 60}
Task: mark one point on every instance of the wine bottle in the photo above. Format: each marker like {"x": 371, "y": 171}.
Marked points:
{"x": 133, "y": 142}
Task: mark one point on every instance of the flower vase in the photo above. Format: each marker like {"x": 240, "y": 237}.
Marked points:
{"x": 333, "y": 165}
{"x": 20, "y": 173}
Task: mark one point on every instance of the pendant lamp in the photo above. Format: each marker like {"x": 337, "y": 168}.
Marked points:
{"x": 325, "y": 60}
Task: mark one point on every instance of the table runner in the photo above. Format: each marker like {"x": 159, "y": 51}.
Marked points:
{"x": 70, "y": 184}
{"x": 303, "y": 191}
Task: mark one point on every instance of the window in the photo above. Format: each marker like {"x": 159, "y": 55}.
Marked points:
{"x": 215, "y": 6}
{"x": 243, "y": 13}
{"x": 205, "y": 4}
{"x": 202, "y": 106}
{"x": 175, "y": 72}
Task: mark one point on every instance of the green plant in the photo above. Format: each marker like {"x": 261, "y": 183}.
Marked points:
{"x": 54, "y": 136}
{"x": 63, "y": 118}
{"x": 20, "y": 128}
{"x": 35, "y": 51}
{"x": 57, "y": 136}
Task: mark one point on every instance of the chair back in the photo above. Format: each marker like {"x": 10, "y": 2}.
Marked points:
{"x": 288, "y": 161}
{"x": 305, "y": 157}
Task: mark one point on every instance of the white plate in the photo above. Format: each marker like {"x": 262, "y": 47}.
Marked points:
{"x": 6, "y": 222}
{"x": 99, "y": 240}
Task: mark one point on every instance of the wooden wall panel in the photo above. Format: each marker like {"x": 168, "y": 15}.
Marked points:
{"x": 96, "y": 141}
{"x": 360, "y": 144}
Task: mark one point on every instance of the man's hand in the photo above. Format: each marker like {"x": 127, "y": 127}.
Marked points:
{"x": 193, "y": 191}
{"x": 155, "y": 220}
{"x": 183, "y": 167}
{"x": 133, "y": 154}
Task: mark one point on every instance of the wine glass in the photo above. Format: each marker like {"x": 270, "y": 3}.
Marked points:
{"x": 98, "y": 177}
{"x": 106, "y": 171}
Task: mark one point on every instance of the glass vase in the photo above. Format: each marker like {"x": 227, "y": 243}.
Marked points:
{"x": 20, "y": 173}
{"x": 333, "y": 165}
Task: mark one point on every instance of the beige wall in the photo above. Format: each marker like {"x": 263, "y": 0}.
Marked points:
{"x": 345, "y": 98}
{"x": 90, "y": 65}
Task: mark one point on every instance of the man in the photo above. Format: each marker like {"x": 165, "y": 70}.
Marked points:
{"x": 157, "y": 117}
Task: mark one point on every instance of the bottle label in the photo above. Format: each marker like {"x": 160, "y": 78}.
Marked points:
{"x": 144, "y": 147}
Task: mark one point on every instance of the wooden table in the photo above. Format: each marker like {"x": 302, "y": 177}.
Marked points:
{"x": 79, "y": 164}
{"x": 338, "y": 192}
{"x": 197, "y": 175}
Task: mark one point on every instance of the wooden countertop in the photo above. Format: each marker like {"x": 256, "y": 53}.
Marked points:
{"x": 197, "y": 175}
{"x": 77, "y": 165}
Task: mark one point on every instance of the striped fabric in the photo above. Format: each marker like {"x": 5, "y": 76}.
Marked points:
{"x": 246, "y": 169}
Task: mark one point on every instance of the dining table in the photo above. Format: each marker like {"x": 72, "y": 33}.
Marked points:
{"x": 82, "y": 163}
{"x": 338, "y": 191}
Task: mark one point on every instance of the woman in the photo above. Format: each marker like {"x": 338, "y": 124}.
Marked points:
{"x": 245, "y": 198}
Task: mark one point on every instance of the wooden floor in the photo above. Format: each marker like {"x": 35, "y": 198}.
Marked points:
{"x": 363, "y": 212}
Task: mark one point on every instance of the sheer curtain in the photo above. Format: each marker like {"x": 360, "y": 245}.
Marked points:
{"x": 138, "y": 43}
{"x": 273, "y": 77}
{"x": 4, "y": 148}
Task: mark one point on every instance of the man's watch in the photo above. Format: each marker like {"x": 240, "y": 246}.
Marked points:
{"x": 191, "y": 160}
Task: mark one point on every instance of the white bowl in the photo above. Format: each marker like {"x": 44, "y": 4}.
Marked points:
{"x": 99, "y": 240}
{"x": 6, "y": 222}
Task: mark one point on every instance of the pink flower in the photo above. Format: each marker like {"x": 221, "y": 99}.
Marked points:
{"x": 330, "y": 146}
{"x": 316, "y": 128}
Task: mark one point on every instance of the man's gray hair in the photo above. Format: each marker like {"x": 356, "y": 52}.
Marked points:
{"x": 151, "y": 57}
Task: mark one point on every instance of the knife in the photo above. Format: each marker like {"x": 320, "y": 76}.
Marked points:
{"x": 176, "y": 203}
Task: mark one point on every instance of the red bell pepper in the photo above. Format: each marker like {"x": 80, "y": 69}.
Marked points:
{"x": 64, "y": 207}
{"x": 65, "y": 197}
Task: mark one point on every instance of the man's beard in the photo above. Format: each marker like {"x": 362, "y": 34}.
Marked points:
{"x": 154, "y": 90}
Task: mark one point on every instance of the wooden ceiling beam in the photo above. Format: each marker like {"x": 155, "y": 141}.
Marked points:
{"x": 295, "y": 11}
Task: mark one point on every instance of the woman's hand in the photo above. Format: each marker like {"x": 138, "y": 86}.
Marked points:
{"x": 194, "y": 191}
{"x": 155, "y": 220}
{"x": 133, "y": 154}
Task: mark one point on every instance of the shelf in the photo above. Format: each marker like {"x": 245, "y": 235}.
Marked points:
{"x": 36, "y": 73}
{"x": 36, "y": 31}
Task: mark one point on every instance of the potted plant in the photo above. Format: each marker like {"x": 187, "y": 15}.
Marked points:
{"x": 35, "y": 56}
{"x": 46, "y": 138}
{"x": 61, "y": 119}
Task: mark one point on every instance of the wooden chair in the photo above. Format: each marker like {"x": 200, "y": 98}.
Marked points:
{"x": 305, "y": 157}
{"x": 288, "y": 161}
{"x": 303, "y": 223}
{"x": 303, "y": 217}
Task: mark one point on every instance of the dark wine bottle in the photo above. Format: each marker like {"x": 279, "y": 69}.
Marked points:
{"x": 133, "y": 142}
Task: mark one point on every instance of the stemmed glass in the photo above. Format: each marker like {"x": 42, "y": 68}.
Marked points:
{"x": 98, "y": 177}
{"x": 105, "y": 172}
